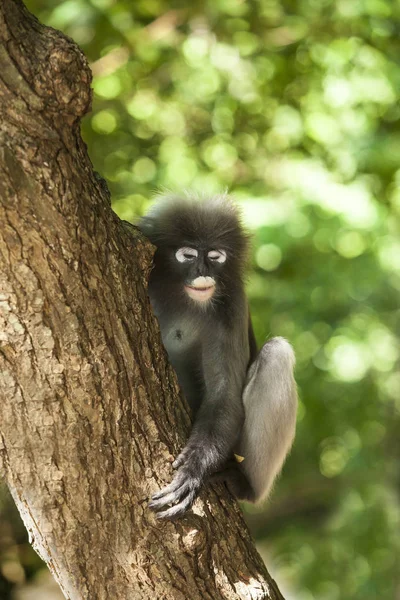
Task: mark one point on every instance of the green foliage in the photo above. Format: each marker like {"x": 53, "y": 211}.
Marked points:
{"x": 293, "y": 107}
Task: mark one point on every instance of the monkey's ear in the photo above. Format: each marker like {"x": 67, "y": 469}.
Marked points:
{"x": 146, "y": 226}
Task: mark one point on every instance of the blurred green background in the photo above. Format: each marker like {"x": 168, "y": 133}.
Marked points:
{"x": 292, "y": 107}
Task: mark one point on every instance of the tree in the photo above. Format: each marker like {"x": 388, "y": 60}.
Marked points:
{"x": 90, "y": 409}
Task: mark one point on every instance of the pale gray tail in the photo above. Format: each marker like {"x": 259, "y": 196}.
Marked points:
{"x": 270, "y": 403}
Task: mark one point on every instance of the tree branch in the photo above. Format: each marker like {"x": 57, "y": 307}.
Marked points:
{"x": 90, "y": 413}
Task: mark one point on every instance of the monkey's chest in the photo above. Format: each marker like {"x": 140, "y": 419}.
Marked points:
{"x": 182, "y": 343}
{"x": 178, "y": 339}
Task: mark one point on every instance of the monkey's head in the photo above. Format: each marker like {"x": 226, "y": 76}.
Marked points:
{"x": 201, "y": 244}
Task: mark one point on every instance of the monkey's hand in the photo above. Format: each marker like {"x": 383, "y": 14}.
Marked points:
{"x": 184, "y": 488}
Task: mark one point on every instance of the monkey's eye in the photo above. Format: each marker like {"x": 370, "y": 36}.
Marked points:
{"x": 217, "y": 255}
{"x": 186, "y": 254}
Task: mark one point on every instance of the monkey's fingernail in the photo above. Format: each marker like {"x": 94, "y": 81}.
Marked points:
{"x": 156, "y": 496}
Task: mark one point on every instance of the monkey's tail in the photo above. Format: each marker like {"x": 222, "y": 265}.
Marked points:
{"x": 270, "y": 403}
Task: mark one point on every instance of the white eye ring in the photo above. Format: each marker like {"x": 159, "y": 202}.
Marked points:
{"x": 217, "y": 255}
{"x": 186, "y": 254}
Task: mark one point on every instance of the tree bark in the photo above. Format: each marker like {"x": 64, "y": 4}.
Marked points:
{"x": 90, "y": 411}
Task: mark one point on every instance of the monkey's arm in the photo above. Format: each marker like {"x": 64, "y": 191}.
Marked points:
{"x": 252, "y": 342}
{"x": 217, "y": 425}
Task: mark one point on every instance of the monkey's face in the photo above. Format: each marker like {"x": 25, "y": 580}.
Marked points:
{"x": 200, "y": 269}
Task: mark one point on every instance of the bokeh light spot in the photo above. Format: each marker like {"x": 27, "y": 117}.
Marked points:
{"x": 104, "y": 122}
{"x": 144, "y": 170}
{"x": 268, "y": 257}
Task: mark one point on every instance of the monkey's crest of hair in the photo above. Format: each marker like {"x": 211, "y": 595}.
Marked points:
{"x": 206, "y": 222}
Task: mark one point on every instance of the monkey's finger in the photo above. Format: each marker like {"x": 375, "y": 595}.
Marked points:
{"x": 182, "y": 458}
{"x": 162, "y": 493}
{"x": 174, "y": 485}
{"x": 178, "y": 462}
{"x": 189, "y": 487}
{"x": 180, "y": 508}
{"x": 168, "y": 499}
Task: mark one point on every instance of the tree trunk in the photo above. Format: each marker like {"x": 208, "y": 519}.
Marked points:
{"x": 90, "y": 412}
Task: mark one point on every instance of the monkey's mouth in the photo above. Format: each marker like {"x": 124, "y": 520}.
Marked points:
{"x": 201, "y": 293}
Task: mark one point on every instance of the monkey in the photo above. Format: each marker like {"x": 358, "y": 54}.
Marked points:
{"x": 243, "y": 401}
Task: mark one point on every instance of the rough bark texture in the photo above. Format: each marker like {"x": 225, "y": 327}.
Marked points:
{"x": 90, "y": 414}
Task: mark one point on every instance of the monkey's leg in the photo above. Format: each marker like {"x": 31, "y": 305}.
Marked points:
{"x": 236, "y": 481}
{"x": 270, "y": 403}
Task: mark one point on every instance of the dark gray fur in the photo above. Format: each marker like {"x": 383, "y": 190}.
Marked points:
{"x": 243, "y": 402}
